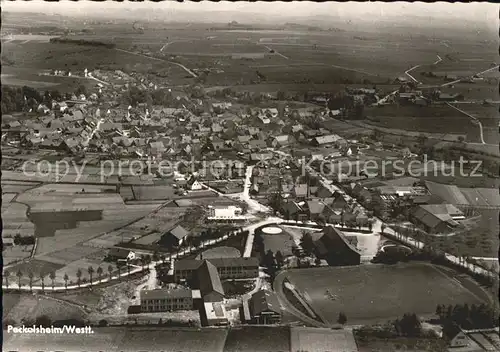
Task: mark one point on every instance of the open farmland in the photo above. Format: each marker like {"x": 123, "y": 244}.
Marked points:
{"x": 377, "y": 293}
{"x": 35, "y": 266}
{"x": 216, "y": 47}
{"x": 62, "y": 217}
{"x": 177, "y": 340}
{"x": 489, "y": 117}
{"x": 30, "y": 307}
{"x": 9, "y": 301}
{"x": 147, "y": 228}
{"x": 124, "y": 339}
{"x": 433, "y": 119}
{"x": 28, "y": 60}
{"x": 258, "y": 339}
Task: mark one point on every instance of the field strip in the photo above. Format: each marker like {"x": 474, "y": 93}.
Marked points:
{"x": 157, "y": 59}
{"x": 275, "y": 52}
{"x": 354, "y": 70}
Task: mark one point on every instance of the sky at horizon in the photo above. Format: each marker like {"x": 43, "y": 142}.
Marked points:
{"x": 439, "y": 10}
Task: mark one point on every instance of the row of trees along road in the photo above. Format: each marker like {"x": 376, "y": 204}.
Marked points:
{"x": 145, "y": 260}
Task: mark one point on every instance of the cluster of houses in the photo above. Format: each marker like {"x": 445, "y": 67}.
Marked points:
{"x": 303, "y": 202}
{"x": 433, "y": 207}
{"x": 61, "y": 128}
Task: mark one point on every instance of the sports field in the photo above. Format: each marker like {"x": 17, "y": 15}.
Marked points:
{"x": 377, "y": 293}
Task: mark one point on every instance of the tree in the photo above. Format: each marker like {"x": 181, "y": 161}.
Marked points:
{"x": 110, "y": 272}
{"x": 409, "y": 325}
{"x": 280, "y": 260}
{"x": 269, "y": 260}
{"x": 31, "y": 275}
{"x": 143, "y": 261}
{"x": 42, "y": 278}
{"x": 342, "y": 319}
{"x": 81, "y": 90}
{"x": 128, "y": 268}
{"x": 439, "y": 310}
{"x": 6, "y": 274}
{"x": 52, "y": 277}
{"x": 19, "y": 275}
{"x": 66, "y": 278}
{"x": 91, "y": 274}
{"x": 99, "y": 273}
{"x": 307, "y": 243}
{"x": 79, "y": 277}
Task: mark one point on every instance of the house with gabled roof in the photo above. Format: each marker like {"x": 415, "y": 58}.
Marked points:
{"x": 262, "y": 308}
{"x": 326, "y": 140}
{"x": 174, "y": 237}
{"x": 281, "y": 141}
{"x": 253, "y": 130}
{"x": 218, "y": 143}
{"x": 300, "y": 191}
{"x": 315, "y": 208}
{"x": 209, "y": 283}
{"x": 193, "y": 184}
{"x": 336, "y": 249}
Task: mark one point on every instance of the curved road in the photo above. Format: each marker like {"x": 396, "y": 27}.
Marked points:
{"x": 474, "y": 120}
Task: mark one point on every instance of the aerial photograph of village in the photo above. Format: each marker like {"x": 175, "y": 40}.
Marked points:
{"x": 250, "y": 176}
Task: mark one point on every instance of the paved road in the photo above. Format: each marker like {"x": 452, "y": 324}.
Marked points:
{"x": 407, "y": 72}
{"x": 96, "y": 129}
{"x": 157, "y": 59}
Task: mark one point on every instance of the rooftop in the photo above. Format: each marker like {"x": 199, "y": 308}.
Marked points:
{"x": 166, "y": 293}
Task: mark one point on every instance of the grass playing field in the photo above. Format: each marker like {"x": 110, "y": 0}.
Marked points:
{"x": 377, "y": 293}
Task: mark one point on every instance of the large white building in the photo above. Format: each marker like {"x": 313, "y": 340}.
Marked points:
{"x": 228, "y": 213}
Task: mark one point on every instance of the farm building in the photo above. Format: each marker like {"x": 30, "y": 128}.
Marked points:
{"x": 119, "y": 254}
{"x": 175, "y": 237}
{"x": 262, "y": 308}
{"x": 437, "y": 218}
{"x": 164, "y": 300}
{"x": 336, "y": 249}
